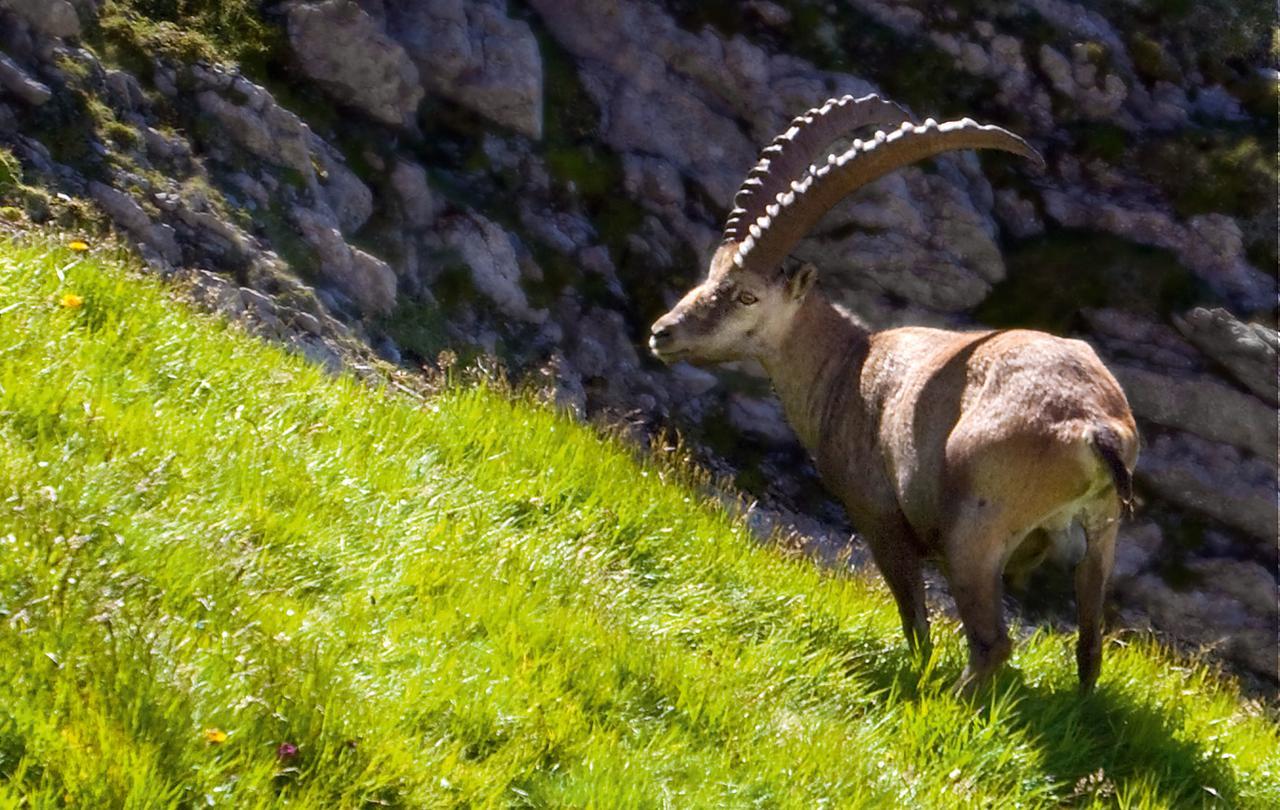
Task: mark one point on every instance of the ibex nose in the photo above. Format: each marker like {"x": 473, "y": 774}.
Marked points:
{"x": 660, "y": 337}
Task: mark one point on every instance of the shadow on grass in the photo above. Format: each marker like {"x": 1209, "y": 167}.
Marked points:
{"x": 1100, "y": 743}
{"x": 1110, "y": 731}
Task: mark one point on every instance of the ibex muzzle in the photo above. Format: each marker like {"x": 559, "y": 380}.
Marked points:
{"x": 982, "y": 450}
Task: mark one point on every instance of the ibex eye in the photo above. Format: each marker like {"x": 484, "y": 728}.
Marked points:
{"x": 746, "y": 298}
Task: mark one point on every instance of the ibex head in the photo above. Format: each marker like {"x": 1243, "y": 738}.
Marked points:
{"x": 748, "y": 299}
{"x": 738, "y": 312}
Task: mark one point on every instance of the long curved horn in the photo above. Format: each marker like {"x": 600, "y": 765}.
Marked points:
{"x": 794, "y": 212}
{"x": 790, "y": 154}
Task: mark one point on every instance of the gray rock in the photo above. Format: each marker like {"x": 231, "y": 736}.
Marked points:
{"x": 1214, "y": 479}
{"x": 600, "y": 349}
{"x": 597, "y": 261}
{"x": 215, "y": 235}
{"x": 1136, "y": 547}
{"x": 760, "y": 418}
{"x": 1248, "y": 582}
{"x": 346, "y": 194}
{"x": 1201, "y": 406}
{"x": 125, "y": 91}
{"x": 1247, "y": 350}
{"x": 52, "y": 18}
{"x": 473, "y": 54}
{"x": 372, "y": 283}
{"x": 562, "y": 231}
{"x": 1209, "y": 616}
{"x": 771, "y": 14}
{"x": 130, "y": 216}
{"x": 693, "y": 380}
{"x": 1018, "y": 214}
{"x": 365, "y": 279}
{"x": 1211, "y": 245}
{"x": 21, "y": 86}
{"x": 344, "y": 50}
{"x": 122, "y": 208}
{"x": 1216, "y": 102}
{"x": 214, "y": 292}
{"x": 487, "y": 251}
{"x": 924, "y": 242}
{"x": 255, "y": 191}
{"x": 1131, "y": 339}
{"x": 654, "y": 180}
{"x": 261, "y": 126}
{"x": 655, "y": 85}
{"x": 417, "y": 203}
{"x": 1058, "y": 69}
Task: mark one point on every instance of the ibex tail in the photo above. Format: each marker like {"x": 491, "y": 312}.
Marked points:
{"x": 1109, "y": 447}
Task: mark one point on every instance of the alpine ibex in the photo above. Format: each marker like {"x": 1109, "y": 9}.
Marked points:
{"x": 980, "y": 450}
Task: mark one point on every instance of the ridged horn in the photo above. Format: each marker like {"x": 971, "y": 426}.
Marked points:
{"x": 790, "y": 154}
{"x": 794, "y": 212}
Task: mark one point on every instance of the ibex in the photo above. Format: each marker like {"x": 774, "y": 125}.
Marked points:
{"x": 979, "y": 450}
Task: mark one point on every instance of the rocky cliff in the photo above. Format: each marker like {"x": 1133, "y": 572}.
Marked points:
{"x": 538, "y": 179}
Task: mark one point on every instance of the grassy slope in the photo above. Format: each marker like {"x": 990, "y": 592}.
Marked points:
{"x": 471, "y": 601}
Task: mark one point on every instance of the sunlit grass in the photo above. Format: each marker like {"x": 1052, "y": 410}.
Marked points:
{"x": 228, "y": 578}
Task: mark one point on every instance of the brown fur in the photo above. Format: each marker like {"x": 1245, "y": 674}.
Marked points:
{"x": 943, "y": 445}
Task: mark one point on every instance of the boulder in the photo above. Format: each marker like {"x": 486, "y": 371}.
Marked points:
{"x": 472, "y": 53}
{"x": 1212, "y": 478}
{"x": 1201, "y": 406}
{"x": 52, "y": 18}
{"x": 156, "y": 240}
{"x": 15, "y": 81}
{"x": 346, "y": 52}
{"x": 365, "y": 279}
{"x": 760, "y": 418}
{"x": 417, "y": 204}
{"x": 1247, "y": 350}
{"x": 269, "y": 132}
{"x": 346, "y": 194}
{"x": 488, "y": 253}
{"x": 372, "y": 283}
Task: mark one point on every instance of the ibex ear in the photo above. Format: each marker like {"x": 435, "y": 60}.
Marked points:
{"x": 801, "y": 280}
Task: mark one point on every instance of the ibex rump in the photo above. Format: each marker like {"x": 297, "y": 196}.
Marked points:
{"x": 982, "y": 450}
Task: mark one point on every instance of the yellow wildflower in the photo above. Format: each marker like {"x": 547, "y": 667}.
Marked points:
{"x": 71, "y": 301}
{"x": 78, "y": 246}
{"x": 215, "y": 736}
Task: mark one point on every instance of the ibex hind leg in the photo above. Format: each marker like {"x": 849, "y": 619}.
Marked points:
{"x": 1101, "y": 523}
{"x": 975, "y": 549}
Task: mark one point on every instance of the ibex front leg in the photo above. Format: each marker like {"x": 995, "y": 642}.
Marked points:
{"x": 893, "y": 548}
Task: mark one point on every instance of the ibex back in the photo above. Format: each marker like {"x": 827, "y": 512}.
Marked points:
{"x": 981, "y": 450}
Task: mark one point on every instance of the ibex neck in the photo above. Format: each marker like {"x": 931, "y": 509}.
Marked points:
{"x": 823, "y": 350}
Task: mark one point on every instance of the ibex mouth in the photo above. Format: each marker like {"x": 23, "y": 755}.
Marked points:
{"x": 662, "y": 348}
{"x": 664, "y": 351}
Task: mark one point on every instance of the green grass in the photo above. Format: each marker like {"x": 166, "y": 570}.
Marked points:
{"x": 470, "y": 600}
